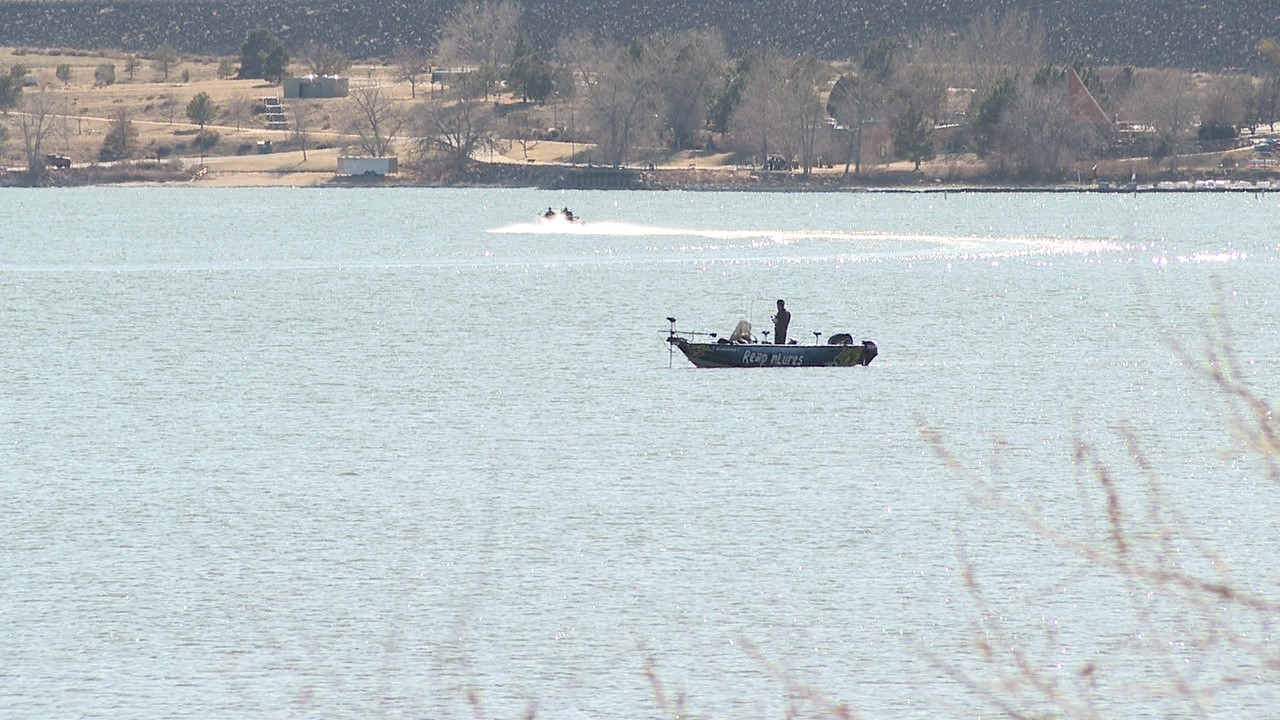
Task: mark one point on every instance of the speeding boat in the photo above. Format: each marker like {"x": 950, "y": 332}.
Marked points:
{"x": 741, "y": 350}
{"x": 563, "y": 215}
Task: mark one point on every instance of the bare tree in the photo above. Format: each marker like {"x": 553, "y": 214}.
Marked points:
{"x": 410, "y": 65}
{"x": 1224, "y": 100}
{"x": 480, "y": 35}
{"x": 1038, "y": 133}
{"x": 864, "y": 97}
{"x": 690, "y": 64}
{"x": 451, "y": 131}
{"x": 163, "y": 59}
{"x": 522, "y": 132}
{"x": 239, "y": 109}
{"x": 169, "y": 104}
{"x": 1166, "y": 99}
{"x": 300, "y": 130}
{"x": 760, "y": 118}
{"x": 1267, "y": 100}
{"x": 620, "y": 99}
{"x": 35, "y": 123}
{"x": 808, "y": 78}
{"x": 780, "y": 112}
{"x": 925, "y": 71}
{"x": 322, "y": 59}
{"x": 993, "y": 46}
{"x": 376, "y": 119}
{"x": 577, "y": 54}
{"x": 1269, "y": 92}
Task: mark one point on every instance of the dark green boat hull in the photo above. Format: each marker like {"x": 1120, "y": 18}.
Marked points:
{"x": 738, "y": 355}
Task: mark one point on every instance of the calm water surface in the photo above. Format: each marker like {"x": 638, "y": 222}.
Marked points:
{"x": 299, "y": 453}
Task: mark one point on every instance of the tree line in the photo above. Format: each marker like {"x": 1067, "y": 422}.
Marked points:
{"x": 991, "y": 88}
{"x": 988, "y": 90}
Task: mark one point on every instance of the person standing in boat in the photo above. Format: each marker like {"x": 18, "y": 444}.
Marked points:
{"x": 780, "y": 322}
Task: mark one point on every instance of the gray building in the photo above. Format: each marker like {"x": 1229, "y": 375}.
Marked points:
{"x": 312, "y": 86}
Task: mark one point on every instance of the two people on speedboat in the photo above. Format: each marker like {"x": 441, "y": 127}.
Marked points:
{"x": 566, "y": 213}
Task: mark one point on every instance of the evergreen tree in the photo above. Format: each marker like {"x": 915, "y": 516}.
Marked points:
{"x": 724, "y": 102}
{"x": 263, "y": 56}
{"x": 202, "y": 109}
{"x": 529, "y": 75}
{"x": 10, "y": 89}
{"x": 913, "y": 137}
{"x": 990, "y": 110}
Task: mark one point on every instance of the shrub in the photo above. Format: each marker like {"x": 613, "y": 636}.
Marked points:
{"x": 105, "y": 74}
{"x": 1216, "y": 131}
{"x": 205, "y": 139}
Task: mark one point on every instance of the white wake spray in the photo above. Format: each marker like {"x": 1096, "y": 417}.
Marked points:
{"x": 943, "y": 244}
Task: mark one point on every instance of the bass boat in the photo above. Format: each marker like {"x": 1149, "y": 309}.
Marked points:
{"x": 741, "y": 350}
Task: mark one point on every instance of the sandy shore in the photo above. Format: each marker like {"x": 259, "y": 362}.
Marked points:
{"x": 262, "y": 179}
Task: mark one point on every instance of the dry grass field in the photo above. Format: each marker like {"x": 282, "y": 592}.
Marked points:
{"x": 157, "y": 108}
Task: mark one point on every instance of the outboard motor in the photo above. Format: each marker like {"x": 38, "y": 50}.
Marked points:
{"x": 869, "y": 352}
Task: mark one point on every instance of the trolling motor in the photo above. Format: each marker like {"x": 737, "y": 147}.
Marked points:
{"x": 674, "y": 336}
{"x": 672, "y": 333}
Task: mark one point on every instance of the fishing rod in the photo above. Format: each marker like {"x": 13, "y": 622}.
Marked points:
{"x": 673, "y": 333}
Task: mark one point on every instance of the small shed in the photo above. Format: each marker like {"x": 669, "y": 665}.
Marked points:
{"x": 367, "y": 165}
{"x": 316, "y": 86}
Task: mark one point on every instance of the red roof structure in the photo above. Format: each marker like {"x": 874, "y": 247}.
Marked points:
{"x": 1084, "y": 106}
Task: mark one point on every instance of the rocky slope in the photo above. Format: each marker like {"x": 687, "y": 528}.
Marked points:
{"x": 1177, "y": 33}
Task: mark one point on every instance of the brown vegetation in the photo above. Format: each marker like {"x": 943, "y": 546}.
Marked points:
{"x": 1197, "y": 625}
{"x": 648, "y": 106}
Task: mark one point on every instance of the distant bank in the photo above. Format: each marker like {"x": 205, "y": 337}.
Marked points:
{"x": 717, "y": 179}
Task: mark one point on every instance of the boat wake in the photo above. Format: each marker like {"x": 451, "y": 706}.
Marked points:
{"x": 560, "y": 226}
{"x": 921, "y": 243}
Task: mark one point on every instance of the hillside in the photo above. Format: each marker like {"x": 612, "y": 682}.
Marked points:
{"x": 1175, "y": 33}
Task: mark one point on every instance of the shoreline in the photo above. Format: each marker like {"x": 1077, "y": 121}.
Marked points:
{"x": 177, "y": 173}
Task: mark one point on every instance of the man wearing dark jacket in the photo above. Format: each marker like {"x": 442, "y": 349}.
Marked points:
{"x": 780, "y": 322}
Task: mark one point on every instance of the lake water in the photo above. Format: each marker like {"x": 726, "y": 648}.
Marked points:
{"x": 299, "y": 453}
